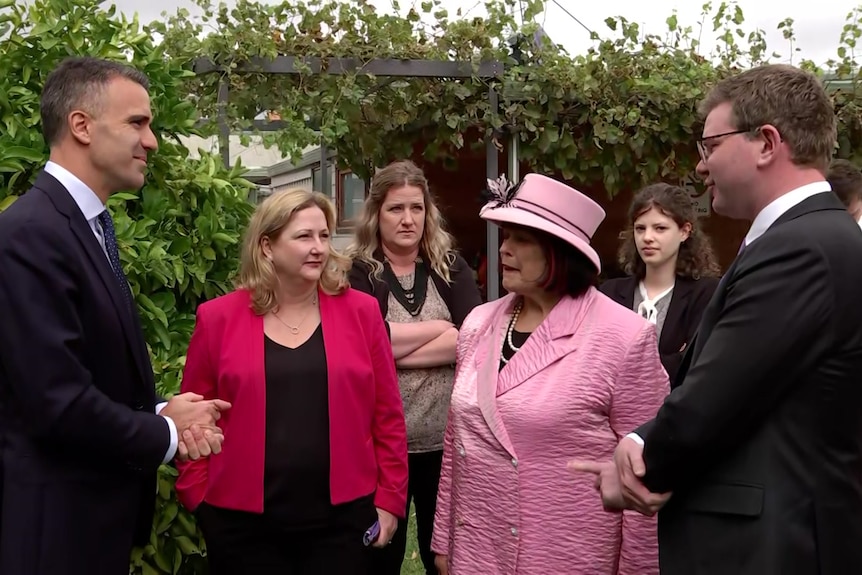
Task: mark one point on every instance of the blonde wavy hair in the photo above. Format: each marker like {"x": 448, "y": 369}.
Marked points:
{"x": 257, "y": 274}
{"x": 437, "y": 245}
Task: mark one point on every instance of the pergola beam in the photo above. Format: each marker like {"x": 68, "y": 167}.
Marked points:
{"x": 376, "y": 67}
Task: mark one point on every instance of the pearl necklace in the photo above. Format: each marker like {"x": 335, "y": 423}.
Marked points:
{"x": 515, "y": 313}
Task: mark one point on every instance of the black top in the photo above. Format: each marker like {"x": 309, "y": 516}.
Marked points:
{"x": 519, "y": 338}
{"x": 296, "y": 469}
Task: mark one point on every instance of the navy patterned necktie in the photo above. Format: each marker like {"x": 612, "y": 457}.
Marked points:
{"x": 114, "y": 256}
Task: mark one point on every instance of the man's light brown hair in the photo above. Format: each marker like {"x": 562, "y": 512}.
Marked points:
{"x": 788, "y": 98}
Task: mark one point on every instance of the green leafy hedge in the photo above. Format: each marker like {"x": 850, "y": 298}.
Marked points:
{"x": 178, "y": 236}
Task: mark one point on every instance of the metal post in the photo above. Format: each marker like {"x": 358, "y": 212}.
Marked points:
{"x": 324, "y": 173}
{"x": 492, "y": 281}
{"x": 223, "y": 127}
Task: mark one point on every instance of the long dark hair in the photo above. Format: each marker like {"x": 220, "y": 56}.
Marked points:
{"x": 696, "y": 258}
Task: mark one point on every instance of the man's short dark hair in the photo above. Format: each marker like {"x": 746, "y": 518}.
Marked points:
{"x": 846, "y": 181}
{"x": 76, "y": 84}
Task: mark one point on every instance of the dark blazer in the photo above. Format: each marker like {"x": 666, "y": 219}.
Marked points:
{"x": 688, "y": 300}
{"x": 79, "y": 439}
{"x": 760, "y": 439}
{"x": 461, "y": 295}
{"x": 368, "y": 437}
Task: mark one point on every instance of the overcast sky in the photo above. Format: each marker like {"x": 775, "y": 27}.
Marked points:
{"x": 817, "y": 24}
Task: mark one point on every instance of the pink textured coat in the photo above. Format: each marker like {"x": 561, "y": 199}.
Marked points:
{"x": 587, "y": 376}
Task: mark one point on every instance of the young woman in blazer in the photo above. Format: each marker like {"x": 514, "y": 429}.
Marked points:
{"x": 317, "y": 448}
{"x": 672, "y": 268}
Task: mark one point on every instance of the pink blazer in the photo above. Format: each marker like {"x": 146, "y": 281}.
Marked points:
{"x": 368, "y": 436}
{"x": 507, "y": 504}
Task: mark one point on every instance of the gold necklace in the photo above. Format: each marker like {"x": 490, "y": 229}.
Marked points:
{"x": 295, "y": 330}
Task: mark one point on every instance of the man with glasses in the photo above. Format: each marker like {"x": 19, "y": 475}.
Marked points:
{"x": 755, "y": 458}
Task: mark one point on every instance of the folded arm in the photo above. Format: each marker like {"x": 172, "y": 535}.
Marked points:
{"x": 438, "y": 351}
{"x": 45, "y": 358}
{"x": 409, "y": 337}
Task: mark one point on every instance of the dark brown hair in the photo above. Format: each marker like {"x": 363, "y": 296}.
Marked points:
{"x": 695, "y": 259}
{"x": 846, "y": 181}
{"x": 77, "y": 84}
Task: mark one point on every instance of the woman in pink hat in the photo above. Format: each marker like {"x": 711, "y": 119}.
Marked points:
{"x": 551, "y": 372}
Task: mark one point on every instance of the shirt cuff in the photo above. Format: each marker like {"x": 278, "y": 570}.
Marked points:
{"x": 636, "y": 438}
{"x": 172, "y": 448}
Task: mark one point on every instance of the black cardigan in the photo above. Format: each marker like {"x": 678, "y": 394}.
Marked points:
{"x": 461, "y": 295}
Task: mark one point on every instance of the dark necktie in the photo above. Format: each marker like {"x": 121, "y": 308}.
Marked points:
{"x": 114, "y": 256}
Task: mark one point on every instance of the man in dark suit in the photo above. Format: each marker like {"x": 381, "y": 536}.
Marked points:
{"x": 80, "y": 437}
{"x": 755, "y": 458}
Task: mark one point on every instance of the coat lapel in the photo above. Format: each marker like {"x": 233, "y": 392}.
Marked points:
{"x": 548, "y": 343}
{"x": 84, "y": 234}
{"x": 487, "y": 360}
{"x": 682, "y": 290}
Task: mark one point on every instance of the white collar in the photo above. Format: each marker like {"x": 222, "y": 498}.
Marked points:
{"x": 86, "y": 199}
{"x": 779, "y": 206}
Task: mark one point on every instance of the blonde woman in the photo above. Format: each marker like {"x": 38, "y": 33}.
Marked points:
{"x": 317, "y": 451}
{"x": 405, "y": 258}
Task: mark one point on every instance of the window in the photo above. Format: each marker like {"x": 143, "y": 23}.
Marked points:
{"x": 350, "y": 194}
{"x": 316, "y": 183}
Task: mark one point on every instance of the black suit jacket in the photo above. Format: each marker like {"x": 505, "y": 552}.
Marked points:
{"x": 760, "y": 439}
{"x": 688, "y": 300}
{"x": 80, "y": 441}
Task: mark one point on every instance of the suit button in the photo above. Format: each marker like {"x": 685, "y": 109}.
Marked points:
{"x": 139, "y": 407}
{"x": 514, "y": 462}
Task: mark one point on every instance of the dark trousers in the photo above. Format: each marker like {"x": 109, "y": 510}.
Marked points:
{"x": 424, "y": 470}
{"x": 240, "y": 543}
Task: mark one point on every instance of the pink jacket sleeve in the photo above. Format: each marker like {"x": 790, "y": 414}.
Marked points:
{"x": 388, "y": 429}
{"x": 638, "y": 393}
{"x": 443, "y": 514}
{"x": 199, "y": 377}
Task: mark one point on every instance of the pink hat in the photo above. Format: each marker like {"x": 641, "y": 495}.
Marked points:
{"x": 545, "y": 204}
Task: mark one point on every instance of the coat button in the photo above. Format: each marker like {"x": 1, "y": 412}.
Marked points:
{"x": 514, "y": 462}
{"x": 514, "y": 531}
{"x": 461, "y": 451}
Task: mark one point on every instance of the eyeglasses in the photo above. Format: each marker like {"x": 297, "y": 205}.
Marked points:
{"x": 706, "y": 150}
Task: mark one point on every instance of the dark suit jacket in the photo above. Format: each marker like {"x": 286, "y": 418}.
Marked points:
{"x": 688, "y": 300}
{"x": 80, "y": 440}
{"x": 760, "y": 439}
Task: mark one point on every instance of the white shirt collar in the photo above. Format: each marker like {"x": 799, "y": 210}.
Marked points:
{"x": 86, "y": 199}
{"x": 779, "y": 206}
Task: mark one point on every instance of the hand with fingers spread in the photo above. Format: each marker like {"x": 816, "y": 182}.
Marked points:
{"x": 628, "y": 459}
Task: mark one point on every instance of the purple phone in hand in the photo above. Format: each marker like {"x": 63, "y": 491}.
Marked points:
{"x": 372, "y": 534}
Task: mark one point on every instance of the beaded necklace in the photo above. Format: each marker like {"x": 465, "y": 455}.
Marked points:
{"x": 515, "y": 313}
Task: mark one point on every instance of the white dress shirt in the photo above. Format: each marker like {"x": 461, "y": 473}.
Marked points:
{"x": 91, "y": 206}
{"x": 768, "y": 216}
